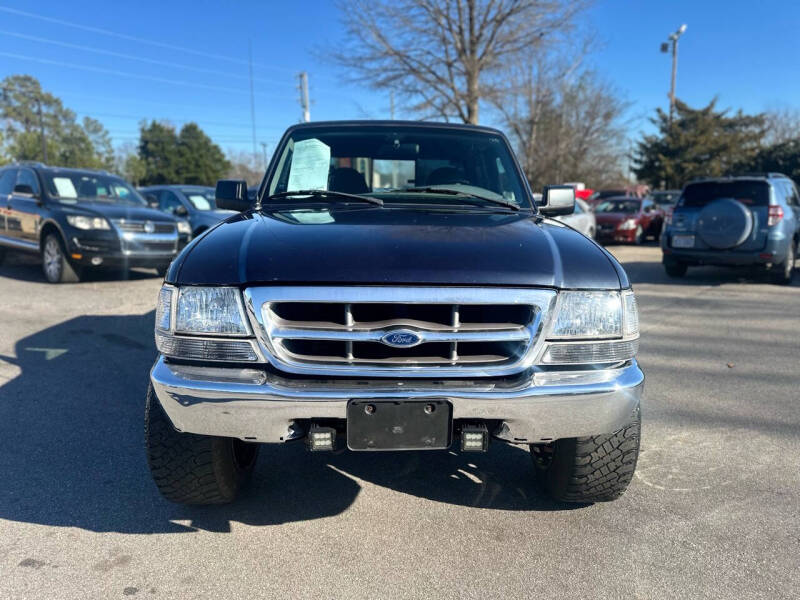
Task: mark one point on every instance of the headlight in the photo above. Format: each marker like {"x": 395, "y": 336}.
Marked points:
{"x": 628, "y": 224}
{"x": 184, "y": 227}
{"x": 214, "y": 310}
{"x": 609, "y": 319}
{"x": 588, "y": 315}
{"x": 164, "y": 309}
{"x": 81, "y": 222}
{"x": 206, "y": 310}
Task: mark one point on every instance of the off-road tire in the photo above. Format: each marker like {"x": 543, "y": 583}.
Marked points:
{"x": 590, "y": 469}
{"x": 55, "y": 265}
{"x": 675, "y": 269}
{"x": 194, "y": 469}
{"x": 783, "y": 273}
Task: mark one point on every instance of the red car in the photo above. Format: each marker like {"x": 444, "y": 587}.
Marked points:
{"x": 628, "y": 220}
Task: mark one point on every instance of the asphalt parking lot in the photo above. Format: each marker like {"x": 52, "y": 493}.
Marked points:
{"x": 712, "y": 511}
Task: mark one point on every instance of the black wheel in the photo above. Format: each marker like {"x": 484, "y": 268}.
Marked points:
{"x": 589, "y": 469}
{"x": 675, "y": 268}
{"x": 55, "y": 264}
{"x": 194, "y": 469}
{"x": 784, "y": 273}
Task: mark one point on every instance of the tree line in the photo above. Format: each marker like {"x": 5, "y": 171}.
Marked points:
{"x": 37, "y": 126}
{"x": 524, "y": 62}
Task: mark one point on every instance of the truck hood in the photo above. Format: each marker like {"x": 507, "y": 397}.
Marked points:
{"x": 395, "y": 246}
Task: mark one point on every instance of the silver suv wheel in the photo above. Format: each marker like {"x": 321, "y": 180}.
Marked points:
{"x": 52, "y": 259}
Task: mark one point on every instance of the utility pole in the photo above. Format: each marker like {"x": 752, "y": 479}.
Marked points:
{"x": 264, "y": 150}
{"x": 391, "y": 105}
{"x": 304, "y": 97}
{"x": 673, "y": 38}
{"x": 252, "y": 100}
{"x": 41, "y": 130}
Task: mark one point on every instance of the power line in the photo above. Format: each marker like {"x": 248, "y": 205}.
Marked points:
{"x": 151, "y": 61}
{"x": 118, "y": 73}
{"x": 230, "y": 124}
{"x": 134, "y": 38}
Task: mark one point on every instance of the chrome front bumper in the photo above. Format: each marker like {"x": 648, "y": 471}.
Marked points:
{"x": 243, "y": 403}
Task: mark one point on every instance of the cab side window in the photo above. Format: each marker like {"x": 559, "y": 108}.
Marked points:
{"x": 168, "y": 201}
{"x": 28, "y": 177}
{"x": 7, "y": 180}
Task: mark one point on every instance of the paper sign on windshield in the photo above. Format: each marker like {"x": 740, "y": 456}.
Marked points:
{"x": 64, "y": 187}
{"x": 310, "y": 162}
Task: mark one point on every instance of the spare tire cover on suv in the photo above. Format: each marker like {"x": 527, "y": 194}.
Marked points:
{"x": 725, "y": 223}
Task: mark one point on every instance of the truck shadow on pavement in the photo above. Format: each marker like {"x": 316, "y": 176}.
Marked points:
{"x": 72, "y": 449}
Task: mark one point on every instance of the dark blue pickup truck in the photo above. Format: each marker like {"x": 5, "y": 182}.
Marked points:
{"x": 394, "y": 286}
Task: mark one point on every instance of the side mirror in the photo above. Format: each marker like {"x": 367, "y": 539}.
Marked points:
{"x": 231, "y": 194}
{"x": 557, "y": 200}
{"x": 24, "y": 189}
{"x": 180, "y": 211}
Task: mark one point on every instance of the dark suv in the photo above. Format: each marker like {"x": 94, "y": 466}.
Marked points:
{"x": 193, "y": 202}
{"x": 77, "y": 218}
{"x": 748, "y": 220}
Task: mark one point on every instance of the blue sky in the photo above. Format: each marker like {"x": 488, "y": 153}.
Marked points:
{"x": 184, "y": 61}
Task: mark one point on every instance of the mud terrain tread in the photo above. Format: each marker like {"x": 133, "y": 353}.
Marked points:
{"x": 595, "y": 468}
{"x": 188, "y": 468}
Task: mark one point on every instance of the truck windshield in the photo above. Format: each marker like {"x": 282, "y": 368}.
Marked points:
{"x": 401, "y": 164}
{"x": 75, "y": 186}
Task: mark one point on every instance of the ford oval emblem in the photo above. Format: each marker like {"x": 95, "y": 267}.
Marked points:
{"x": 401, "y": 338}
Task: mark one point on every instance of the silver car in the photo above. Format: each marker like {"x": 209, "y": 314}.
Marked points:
{"x": 581, "y": 220}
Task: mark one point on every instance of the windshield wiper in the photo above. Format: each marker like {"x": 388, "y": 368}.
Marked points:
{"x": 324, "y": 194}
{"x": 451, "y": 192}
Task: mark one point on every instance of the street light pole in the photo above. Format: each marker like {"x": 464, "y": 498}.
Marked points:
{"x": 664, "y": 48}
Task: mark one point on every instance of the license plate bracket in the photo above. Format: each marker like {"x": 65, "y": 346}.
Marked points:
{"x": 683, "y": 241}
{"x": 399, "y": 424}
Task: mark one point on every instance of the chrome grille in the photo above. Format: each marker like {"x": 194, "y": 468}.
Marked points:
{"x": 455, "y": 331}
{"x": 128, "y": 225}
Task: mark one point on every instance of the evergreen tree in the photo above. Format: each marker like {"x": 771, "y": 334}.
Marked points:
{"x": 26, "y": 109}
{"x": 698, "y": 142}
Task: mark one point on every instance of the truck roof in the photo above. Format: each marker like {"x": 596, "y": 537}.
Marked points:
{"x": 390, "y": 123}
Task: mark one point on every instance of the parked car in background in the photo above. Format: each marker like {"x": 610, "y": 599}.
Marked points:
{"x": 582, "y": 219}
{"x": 581, "y": 191}
{"x": 195, "y": 203}
{"x": 628, "y": 220}
{"x": 629, "y": 191}
{"x": 78, "y": 219}
{"x": 751, "y": 220}
{"x": 665, "y": 198}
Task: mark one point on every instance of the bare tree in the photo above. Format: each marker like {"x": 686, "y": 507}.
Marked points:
{"x": 566, "y": 123}
{"x": 244, "y": 166}
{"x": 446, "y": 56}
